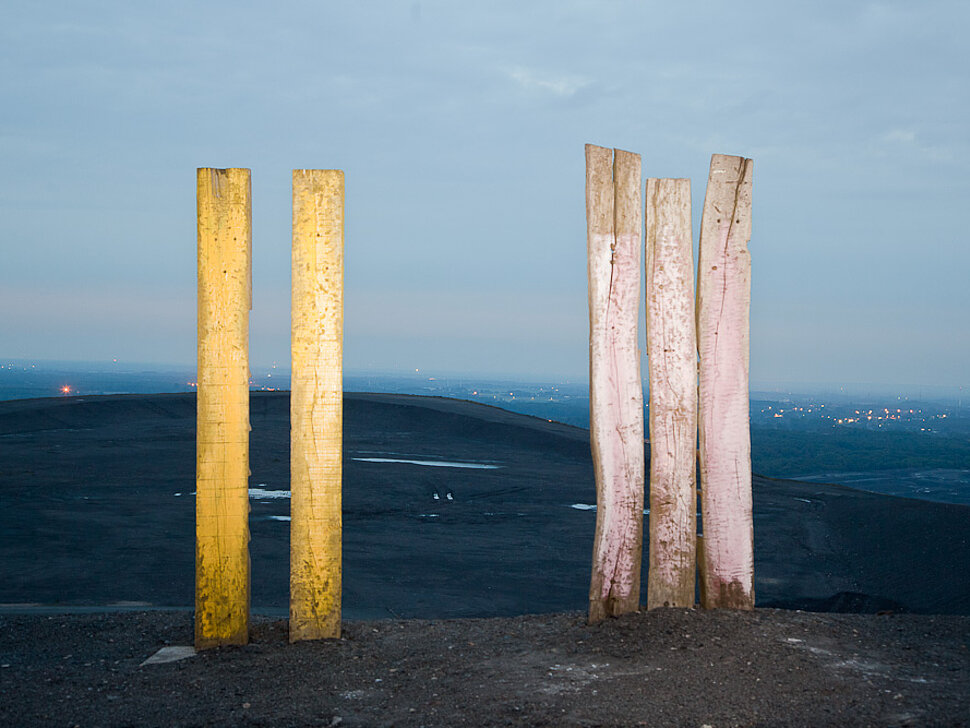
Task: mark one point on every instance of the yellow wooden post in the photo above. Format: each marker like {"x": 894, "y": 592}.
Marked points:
{"x": 222, "y": 434}
{"x": 316, "y": 403}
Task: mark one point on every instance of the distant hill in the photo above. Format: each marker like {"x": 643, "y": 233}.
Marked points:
{"x": 451, "y": 508}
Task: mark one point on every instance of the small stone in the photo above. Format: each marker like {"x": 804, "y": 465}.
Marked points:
{"x": 169, "y": 654}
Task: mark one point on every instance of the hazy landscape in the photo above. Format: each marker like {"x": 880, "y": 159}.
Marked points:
{"x": 913, "y": 443}
{"x": 466, "y": 556}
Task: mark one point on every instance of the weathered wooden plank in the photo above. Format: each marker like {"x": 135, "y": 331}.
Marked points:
{"x": 222, "y": 432}
{"x": 723, "y": 304}
{"x": 613, "y": 223}
{"x": 672, "y": 352}
{"x": 316, "y": 404}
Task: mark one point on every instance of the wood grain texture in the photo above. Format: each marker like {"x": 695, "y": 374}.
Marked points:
{"x": 222, "y": 581}
{"x": 614, "y": 221}
{"x": 672, "y": 352}
{"x": 723, "y": 304}
{"x": 316, "y": 404}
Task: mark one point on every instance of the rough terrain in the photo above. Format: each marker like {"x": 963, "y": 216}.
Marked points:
{"x": 659, "y": 668}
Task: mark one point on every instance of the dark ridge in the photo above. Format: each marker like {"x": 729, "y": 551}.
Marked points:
{"x": 97, "y": 509}
{"x": 843, "y": 603}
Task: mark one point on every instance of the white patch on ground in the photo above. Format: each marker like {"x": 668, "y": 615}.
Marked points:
{"x": 574, "y": 678}
{"x": 431, "y": 463}
{"x": 592, "y": 507}
{"x": 570, "y": 678}
{"x": 278, "y": 518}
{"x": 170, "y": 654}
{"x": 262, "y": 494}
{"x": 855, "y": 663}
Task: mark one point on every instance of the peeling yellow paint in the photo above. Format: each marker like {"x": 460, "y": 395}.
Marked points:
{"x": 316, "y": 404}
{"x": 222, "y": 433}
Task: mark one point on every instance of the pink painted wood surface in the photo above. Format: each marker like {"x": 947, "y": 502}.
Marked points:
{"x": 723, "y": 303}
{"x": 672, "y": 352}
{"x": 613, "y": 218}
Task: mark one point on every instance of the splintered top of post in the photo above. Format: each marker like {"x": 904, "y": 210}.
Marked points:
{"x": 224, "y": 210}
{"x": 317, "y": 183}
{"x": 219, "y": 182}
{"x": 316, "y": 172}
{"x": 627, "y": 210}
{"x": 729, "y": 193}
{"x": 599, "y": 190}
{"x": 670, "y": 192}
{"x": 668, "y": 198}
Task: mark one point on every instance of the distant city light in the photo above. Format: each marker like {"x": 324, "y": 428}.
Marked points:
{"x": 66, "y": 389}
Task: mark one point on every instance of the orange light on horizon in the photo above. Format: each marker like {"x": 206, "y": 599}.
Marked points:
{"x": 66, "y": 389}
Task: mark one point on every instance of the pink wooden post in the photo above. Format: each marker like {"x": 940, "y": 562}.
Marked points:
{"x": 613, "y": 225}
{"x": 672, "y": 352}
{"x": 723, "y": 303}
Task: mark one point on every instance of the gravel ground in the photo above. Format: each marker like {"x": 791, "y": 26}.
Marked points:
{"x": 661, "y": 668}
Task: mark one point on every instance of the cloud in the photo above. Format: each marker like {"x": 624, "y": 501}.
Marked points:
{"x": 562, "y": 86}
{"x": 908, "y": 141}
{"x": 905, "y": 136}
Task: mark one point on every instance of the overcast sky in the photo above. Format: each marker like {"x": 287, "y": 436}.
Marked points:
{"x": 460, "y": 127}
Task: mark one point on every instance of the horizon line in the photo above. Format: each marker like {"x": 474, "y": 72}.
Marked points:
{"x": 764, "y": 386}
